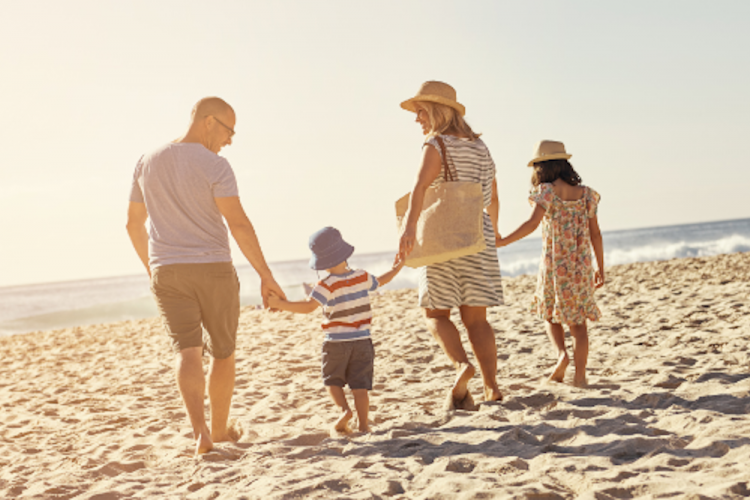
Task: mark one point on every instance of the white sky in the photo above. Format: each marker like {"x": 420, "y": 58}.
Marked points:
{"x": 651, "y": 98}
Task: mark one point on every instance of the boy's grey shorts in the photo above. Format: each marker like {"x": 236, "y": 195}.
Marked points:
{"x": 348, "y": 363}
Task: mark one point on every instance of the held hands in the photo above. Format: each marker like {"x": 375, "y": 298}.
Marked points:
{"x": 274, "y": 301}
{"x": 499, "y": 242}
{"x": 269, "y": 287}
{"x": 398, "y": 262}
{"x": 407, "y": 242}
{"x": 598, "y": 279}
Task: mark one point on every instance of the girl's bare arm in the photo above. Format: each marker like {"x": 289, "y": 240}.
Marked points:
{"x": 524, "y": 229}
{"x": 596, "y": 242}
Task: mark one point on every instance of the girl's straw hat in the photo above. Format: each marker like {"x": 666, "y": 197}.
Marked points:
{"x": 549, "y": 150}
{"x": 438, "y": 92}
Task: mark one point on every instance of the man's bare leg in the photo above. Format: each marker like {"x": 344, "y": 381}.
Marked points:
{"x": 556, "y": 335}
{"x": 482, "y": 338}
{"x": 449, "y": 338}
{"x": 580, "y": 352}
{"x": 220, "y": 389}
{"x": 339, "y": 399}
{"x": 362, "y": 405}
{"x": 192, "y": 385}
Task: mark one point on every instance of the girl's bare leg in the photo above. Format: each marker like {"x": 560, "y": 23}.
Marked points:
{"x": 447, "y": 335}
{"x": 339, "y": 399}
{"x": 482, "y": 338}
{"x": 580, "y": 352}
{"x": 362, "y": 405}
{"x": 556, "y": 335}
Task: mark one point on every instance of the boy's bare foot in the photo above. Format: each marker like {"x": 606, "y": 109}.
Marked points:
{"x": 461, "y": 385}
{"x": 562, "y": 364}
{"x": 342, "y": 424}
{"x": 203, "y": 444}
{"x": 492, "y": 394}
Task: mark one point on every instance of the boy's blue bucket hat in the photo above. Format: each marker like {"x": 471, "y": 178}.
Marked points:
{"x": 328, "y": 249}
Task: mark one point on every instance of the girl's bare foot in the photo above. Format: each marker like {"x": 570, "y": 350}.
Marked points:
{"x": 461, "y": 385}
{"x": 562, "y": 364}
{"x": 203, "y": 444}
{"x": 342, "y": 424}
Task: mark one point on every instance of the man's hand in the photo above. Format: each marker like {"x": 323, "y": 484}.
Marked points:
{"x": 274, "y": 301}
{"x": 269, "y": 286}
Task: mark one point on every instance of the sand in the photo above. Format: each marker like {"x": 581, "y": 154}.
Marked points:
{"x": 93, "y": 412}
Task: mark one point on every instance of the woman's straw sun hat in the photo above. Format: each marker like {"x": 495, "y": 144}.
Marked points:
{"x": 549, "y": 150}
{"x": 438, "y": 92}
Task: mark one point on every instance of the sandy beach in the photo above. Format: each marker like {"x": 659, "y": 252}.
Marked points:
{"x": 93, "y": 412}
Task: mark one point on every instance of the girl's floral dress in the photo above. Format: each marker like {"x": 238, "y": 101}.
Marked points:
{"x": 565, "y": 286}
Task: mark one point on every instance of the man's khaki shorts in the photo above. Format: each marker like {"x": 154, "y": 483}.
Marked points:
{"x": 193, "y": 296}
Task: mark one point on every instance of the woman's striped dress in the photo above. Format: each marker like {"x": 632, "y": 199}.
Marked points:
{"x": 472, "y": 280}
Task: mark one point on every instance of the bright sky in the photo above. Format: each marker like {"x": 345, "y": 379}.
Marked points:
{"x": 651, "y": 98}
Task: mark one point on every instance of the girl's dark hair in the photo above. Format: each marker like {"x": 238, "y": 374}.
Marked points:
{"x": 551, "y": 170}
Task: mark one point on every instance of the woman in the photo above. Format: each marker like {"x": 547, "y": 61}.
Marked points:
{"x": 471, "y": 283}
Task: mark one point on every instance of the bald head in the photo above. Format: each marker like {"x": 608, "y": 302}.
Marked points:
{"x": 211, "y": 106}
{"x": 211, "y": 124}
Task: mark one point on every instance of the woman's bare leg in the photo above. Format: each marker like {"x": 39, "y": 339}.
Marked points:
{"x": 556, "y": 335}
{"x": 482, "y": 338}
{"x": 580, "y": 352}
{"x": 447, "y": 335}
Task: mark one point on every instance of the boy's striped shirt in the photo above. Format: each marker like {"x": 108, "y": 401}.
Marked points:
{"x": 346, "y": 304}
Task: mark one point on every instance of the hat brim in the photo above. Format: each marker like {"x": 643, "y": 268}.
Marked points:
{"x": 408, "y": 104}
{"x": 554, "y": 156}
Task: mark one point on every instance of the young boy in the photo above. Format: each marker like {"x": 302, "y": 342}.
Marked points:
{"x": 348, "y": 355}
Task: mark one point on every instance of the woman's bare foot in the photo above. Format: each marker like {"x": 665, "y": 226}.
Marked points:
{"x": 203, "y": 444}
{"x": 364, "y": 428}
{"x": 562, "y": 364}
{"x": 461, "y": 385}
{"x": 342, "y": 424}
{"x": 580, "y": 381}
{"x": 492, "y": 394}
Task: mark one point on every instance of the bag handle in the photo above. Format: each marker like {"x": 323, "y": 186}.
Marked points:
{"x": 447, "y": 174}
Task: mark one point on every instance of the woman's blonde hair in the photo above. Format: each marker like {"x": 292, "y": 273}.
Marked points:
{"x": 444, "y": 118}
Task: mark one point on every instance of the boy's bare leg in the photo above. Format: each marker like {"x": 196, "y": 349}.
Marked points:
{"x": 362, "y": 405}
{"x": 339, "y": 399}
{"x": 580, "y": 352}
{"x": 192, "y": 385}
{"x": 556, "y": 335}
{"x": 220, "y": 389}
{"x": 482, "y": 338}
{"x": 449, "y": 338}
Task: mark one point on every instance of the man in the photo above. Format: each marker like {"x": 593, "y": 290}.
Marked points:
{"x": 184, "y": 189}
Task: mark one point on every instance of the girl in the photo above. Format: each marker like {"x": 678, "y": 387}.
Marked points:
{"x": 566, "y": 282}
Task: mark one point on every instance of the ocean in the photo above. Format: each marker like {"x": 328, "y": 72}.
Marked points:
{"x": 50, "y": 306}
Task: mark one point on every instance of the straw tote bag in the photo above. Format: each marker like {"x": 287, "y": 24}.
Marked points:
{"x": 450, "y": 224}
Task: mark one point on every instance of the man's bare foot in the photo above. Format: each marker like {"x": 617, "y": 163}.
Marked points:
{"x": 232, "y": 434}
{"x": 342, "y": 424}
{"x": 203, "y": 444}
{"x": 492, "y": 394}
{"x": 562, "y": 364}
{"x": 461, "y": 385}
